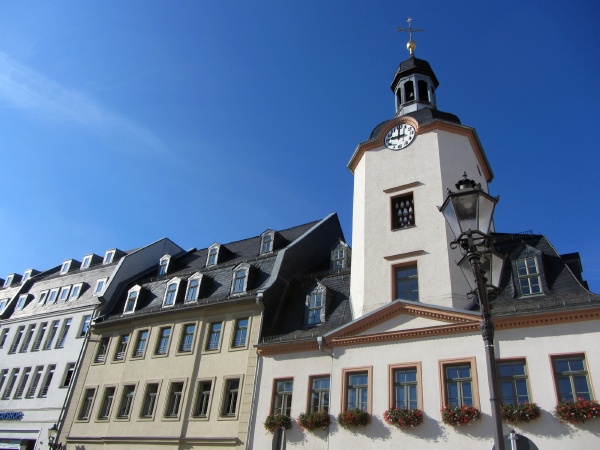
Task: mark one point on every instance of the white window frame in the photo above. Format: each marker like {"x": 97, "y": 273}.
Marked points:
{"x": 164, "y": 262}
{"x": 240, "y": 267}
{"x": 109, "y": 257}
{"x": 134, "y": 290}
{"x": 86, "y": 262}
{"x": 98, "y": 293}
{"x": 55, "y": 292}
{"x": 26, "y": 275}
{"x": 217, "y": 248}
{"x": 3, "y": 304}
{"x": 43, "y": 297}
{"x": 83, "y": 329}
{"x": 76, "y": 291}
{"x": 322, "y": 290}
{"x": 9, "y": 280}
{"x": 172, "y": 281}
{"x": 267, "y": 234}
{"x": 65, "y": 266}
{"x": 196, "y": 276}
{"x": 21, "y": 301}
{"x": 340, "y": 254}
{"x": 64, "y": 289}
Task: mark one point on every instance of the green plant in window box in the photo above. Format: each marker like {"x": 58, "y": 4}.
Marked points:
{"x": 276, "y": 421}
{"x": 578, "y": 411}
{"x": 460, "y": 415}
{"x": 523, "y": 412}
{"x": 404, "y": 417}
{"x": 353, "y": 418}
{"x": 313, "y": 420}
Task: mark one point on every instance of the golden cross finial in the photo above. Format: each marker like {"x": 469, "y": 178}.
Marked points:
{"x": 411, "y": 44}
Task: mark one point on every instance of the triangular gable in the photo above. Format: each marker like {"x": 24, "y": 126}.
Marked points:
{"x": 402, "y": 320}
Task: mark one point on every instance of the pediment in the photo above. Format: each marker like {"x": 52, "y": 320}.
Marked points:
{"x": 405, "y": 322}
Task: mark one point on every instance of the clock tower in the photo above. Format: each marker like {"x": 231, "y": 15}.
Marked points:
{"x": 400, "y": 241}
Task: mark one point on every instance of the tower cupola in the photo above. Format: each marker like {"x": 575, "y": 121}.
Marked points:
{"x": 415, "y": 83}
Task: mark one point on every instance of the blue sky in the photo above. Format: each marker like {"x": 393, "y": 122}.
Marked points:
{"x": 203, "y": 121}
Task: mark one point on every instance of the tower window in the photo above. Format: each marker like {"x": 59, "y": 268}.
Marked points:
{"x": 423, "y": 91}
{"x": 403, "y": 212}
{"x": 409, "y": 91}
{"x": 407, "y": 282}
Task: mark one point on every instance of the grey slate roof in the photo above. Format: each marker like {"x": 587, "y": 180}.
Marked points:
{"x": 414, "y": 65}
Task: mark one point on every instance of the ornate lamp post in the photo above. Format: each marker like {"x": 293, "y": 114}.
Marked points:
{"x": 52, "y": 435}
{"x": 469, "y": 214}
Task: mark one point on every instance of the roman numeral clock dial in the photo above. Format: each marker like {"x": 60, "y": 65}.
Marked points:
{"x": 400, "y": 136}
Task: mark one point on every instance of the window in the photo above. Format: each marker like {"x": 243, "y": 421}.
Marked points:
{"x": 22, "y": 383}
{"x": 315, "y": 311}
{"x": 240, "y": 278}
{"x": 529, "y": 276}
{"x": 16, "y": 339}
{"x": 423, "y": 91}
{"x": 37, "y": 376}
{"x": 403, "y": 214}
{"x": 28, "y": 337}
{"x": 202, "y": 399}
{"x": 47, "y": 380}
{"x": 3, "y": 304}
{"x": 193, "y": 288}
{"x": 43, "y": 296}
{"x": 8, "y": 281}
{"x": 21, "y": 301}
{"x": 339, "y": 257}
{"x": 68, "y": 376}
{"x": 107, "y": 401}
{"x": 214, "y": 336}
{"x": 12, "y": 380}
{"x": 319, "y": 394}
{"x": 53, "y": 295}
{"x": 171, "y": 294}
{"x": 405, "y": 387}
{"x": 140, "y": 345}
{"x": 163, "y": 341}
{"x": 85, "y": 325}
{"x": 99, "y": 286}
{"x": 266, "y": 244}
{"x": 108, "y": 257}
{"x": 126, "y": 401}
{"x": 65, "y": 267}
{"x": 64, "y": 293}
{"x": 26, "y": 276}
{"x": 51, "y": 335}
{"x": 63, "y": 333}
{"x": 458, "y": 385}
{"x": 3, "y": 337}
{"x": 86, "y": 406}
{"x": 213, "y": 255}
{"x": 39, "y": 337}
{"x": 282, "y": 399}
{"x": 131, "y": 301}
{"x": 187, "y": 338}
{"x": 102, "y": 350}
{"x": 3, "y": 377}
{"x": 121, "y": 348}
{"x": 571, "y": 378}
{"x": 407, "y": 282}
{"x": 241, "y": 332}
{"x": 85, "y": 263}
{"x": 409, "y": 91}
{"x": 75, "y": 291}
{"x": 174, "y": 402}
{"x": 357, "y": 391}
{"x": 512, "y": 380}
{"x": 149, "y": 400}
{"x": 164, "y": 265}
{"x": 232, "y": 388}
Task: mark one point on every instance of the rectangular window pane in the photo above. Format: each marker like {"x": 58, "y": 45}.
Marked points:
{"x": 405, "y": 388}
{"x": 140, "y": 345}
{"x": 47, "y": 380}
{"x": 512, "y": 379}
{"x": 570, "y": 373}
{"x": 407, "y": 285}
{"x": 175, "y": 396}
{"x": 126, "y": 402}
{"x": 241, "y": 331}
{"x": 149, "y": 400}
{"x": 86, "y": 406}
{"x": 187, "y": 338}
{"x": 214, "y": 336}
{"x": 107, "y": 401}
{"x": 203, "y": 398}
{"x": 163, "y": 341}
{"x": 282, "y": 402}
{"x": 458, "y": 385}
{"x": 35, "y": 381}
{"x": 231, "y": 397}
{"x": 357, "y": 391}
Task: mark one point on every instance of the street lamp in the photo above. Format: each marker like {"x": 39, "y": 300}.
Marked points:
{"x": 469, "y": 214}
{"x": 52, "y": 435}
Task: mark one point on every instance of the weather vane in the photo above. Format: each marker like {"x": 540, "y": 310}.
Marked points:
{"x": 411, "y": 44}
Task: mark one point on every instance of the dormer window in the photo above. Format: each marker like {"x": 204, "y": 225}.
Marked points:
{"x": 100, "y": 284}
{"x": 240, "y": 279}
{"x": 193, "y": 287}
{"x": 339, "y": 256}
{"x": 65, "y": 267}
{"x": 213, "y": 255}
{"x": 21, "y": 301}
{"x": 3, "y": 303}
{"x": 86, "y": 262}
{"x": 108, "y": 257}
{"x": 529, "y": 276}
{"x": 171, "y": 293}
{"x": 266, "y": 243}
{"x": 315, "y": 306}
{"x": 164, "y": 265}
{"x": 64, "y": 293}
{"x": 9, "y": 280}
{"x": 52, "y": 296}
{"x": 26, "y": 275}
{"x": 76, "y": 291}
{"x": 43, "y": 296}
{"x": 132, "y": 297}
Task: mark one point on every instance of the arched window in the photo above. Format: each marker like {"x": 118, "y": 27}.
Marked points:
{"x": 213, "y": 255}
{"x": 423, "y": 91}
{"x": 240, "y": 279}
{"x": 315, "y": 306}
{"x": 409, "y": 91}
{"x": 266, "y": 243}
{"x": 164, "y": 265}
{"x": 132, "y": 297}
{"x": 171, "y": 292}
{"x": 193, "y": 287}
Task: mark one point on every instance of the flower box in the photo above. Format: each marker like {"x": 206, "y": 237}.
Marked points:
{"x": 460, "y": 416}
{"x": 353, "y": 418}
{"x": 404, "y": 417}
{"x": 311, "y": 421}
{"x": 523, "y": 412}
{"x": 276, "y": 421}
{"x": 578, "y": 411}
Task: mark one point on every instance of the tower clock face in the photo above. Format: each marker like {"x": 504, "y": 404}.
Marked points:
{"x": 400, "y": 136}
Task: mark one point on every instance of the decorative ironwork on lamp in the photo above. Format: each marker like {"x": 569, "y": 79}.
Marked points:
{"x": 52, "y": 435}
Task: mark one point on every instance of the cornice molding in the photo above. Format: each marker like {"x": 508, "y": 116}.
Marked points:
{"x": 288, "y": 347}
